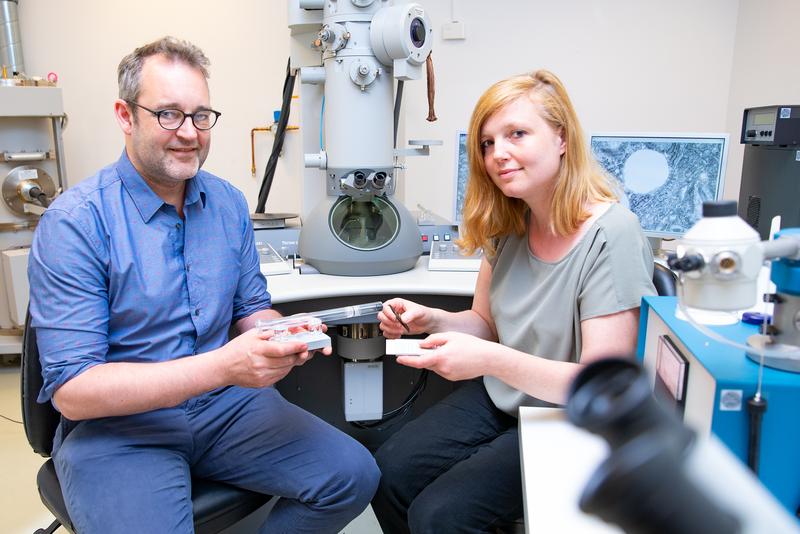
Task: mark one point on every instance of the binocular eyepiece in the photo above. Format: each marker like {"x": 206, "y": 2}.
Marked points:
{"x": 643, "y": 485}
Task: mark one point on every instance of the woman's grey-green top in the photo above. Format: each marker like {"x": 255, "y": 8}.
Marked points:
{"x": 538, "y": 306}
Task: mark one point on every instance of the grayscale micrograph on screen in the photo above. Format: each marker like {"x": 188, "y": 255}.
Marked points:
{"x": 665, "y": 179}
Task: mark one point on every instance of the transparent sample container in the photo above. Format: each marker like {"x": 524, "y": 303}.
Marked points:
{"x": 346, "y": 312}
{"x": 304, "y": 328}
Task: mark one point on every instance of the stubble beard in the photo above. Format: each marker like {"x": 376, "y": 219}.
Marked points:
{"x": 161, "y": 166}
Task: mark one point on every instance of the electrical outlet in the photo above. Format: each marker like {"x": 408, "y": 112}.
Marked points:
{"x": 453, "y": 30}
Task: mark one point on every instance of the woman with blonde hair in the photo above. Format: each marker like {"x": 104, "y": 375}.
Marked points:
{"x": 564, "y": 272}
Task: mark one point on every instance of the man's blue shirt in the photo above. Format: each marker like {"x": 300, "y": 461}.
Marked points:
{"x": 117, "y": 276}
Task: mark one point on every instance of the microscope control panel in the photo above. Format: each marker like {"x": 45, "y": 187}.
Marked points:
{"x": 271, "y": 262}
{"x": 438, "y": 241}
{"x": 447, "y": 256}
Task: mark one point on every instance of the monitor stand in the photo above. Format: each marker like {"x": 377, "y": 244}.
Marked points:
{"x": 655, "y": 246}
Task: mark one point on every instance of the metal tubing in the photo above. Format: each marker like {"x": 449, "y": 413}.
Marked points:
{"x": 10, "y": 40}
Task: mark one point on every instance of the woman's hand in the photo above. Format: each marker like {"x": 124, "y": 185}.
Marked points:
{"x": 417, "y": 318}
{"x": 455, "y": 356}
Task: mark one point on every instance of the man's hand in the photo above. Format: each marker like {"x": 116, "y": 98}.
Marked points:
{"x": 256, "y": 361}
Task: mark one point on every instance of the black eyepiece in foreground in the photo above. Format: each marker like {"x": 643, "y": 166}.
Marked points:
{"x": 643, "y": 486}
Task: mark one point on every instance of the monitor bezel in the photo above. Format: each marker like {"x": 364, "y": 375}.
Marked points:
{"x": 666, "y": 136}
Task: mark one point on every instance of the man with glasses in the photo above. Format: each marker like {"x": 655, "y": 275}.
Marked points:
{"x": 136, "y": 275}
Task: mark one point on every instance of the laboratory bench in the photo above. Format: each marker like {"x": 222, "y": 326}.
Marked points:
{"x": 307, "y": 289}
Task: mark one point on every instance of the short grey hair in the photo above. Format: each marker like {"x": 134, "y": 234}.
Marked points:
{"x": 129, "y": 71}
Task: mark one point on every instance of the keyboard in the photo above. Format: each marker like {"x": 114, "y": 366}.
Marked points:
{"x": 270, "y": 261}
{"x": 446, "y": 256}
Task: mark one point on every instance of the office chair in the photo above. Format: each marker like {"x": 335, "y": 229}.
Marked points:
{"x": 216, "y": 506}
{"x": 664, "y": 280}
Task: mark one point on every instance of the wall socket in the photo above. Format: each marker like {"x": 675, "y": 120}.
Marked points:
{"x": 453, "y": 30}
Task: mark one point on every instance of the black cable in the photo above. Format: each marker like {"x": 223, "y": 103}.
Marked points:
{"x": 419, "y": 387}
{"x": 9, "y": 419}
{"x": 422, "y": 381}
{"x": 756, "y": 406}
{"x": 280, "y": 134}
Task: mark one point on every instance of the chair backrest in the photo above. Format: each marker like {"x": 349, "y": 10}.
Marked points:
{"x": 40, "y": 420}
{"x": 664, "y": 280}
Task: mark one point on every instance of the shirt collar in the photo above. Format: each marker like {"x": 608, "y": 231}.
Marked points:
{"x": 195, "y": 190}
{"x": 144, "y": 198}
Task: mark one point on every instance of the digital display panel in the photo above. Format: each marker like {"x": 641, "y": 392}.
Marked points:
{"x": 763, "y": 119}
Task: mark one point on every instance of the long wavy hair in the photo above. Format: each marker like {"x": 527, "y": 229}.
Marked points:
{"x": 488, "y": 214}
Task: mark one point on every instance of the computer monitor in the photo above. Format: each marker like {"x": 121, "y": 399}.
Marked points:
{"x": 666, "y": 177}
{"x": 461, "y": 174}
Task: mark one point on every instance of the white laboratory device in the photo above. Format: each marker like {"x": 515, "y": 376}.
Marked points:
{"x": 358, "y": 229}
{"x": 32, "y": 170}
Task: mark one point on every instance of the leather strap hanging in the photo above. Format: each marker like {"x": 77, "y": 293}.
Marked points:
{"x": 431, "y": 88}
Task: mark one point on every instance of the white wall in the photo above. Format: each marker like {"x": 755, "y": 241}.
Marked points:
{"x": 679, "y": 65}
{"x": 628, "y": 65}
{"x": 765, "y": 70}
{"x": 83, "y": 41}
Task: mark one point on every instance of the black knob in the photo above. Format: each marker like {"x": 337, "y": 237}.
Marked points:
{"x": 690, "y": 262}
{"x": 719, "y": 208}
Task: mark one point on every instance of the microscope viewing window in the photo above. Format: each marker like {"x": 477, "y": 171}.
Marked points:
{"x": 364, "y": 225}
{"x": 418, "y": 32}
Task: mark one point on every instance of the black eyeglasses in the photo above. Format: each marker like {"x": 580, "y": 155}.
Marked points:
{"x": 172, "y": 119}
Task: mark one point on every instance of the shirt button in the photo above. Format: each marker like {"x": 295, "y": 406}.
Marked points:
{"x": 196, "y": 312}
{"x": 177, "y": 226}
